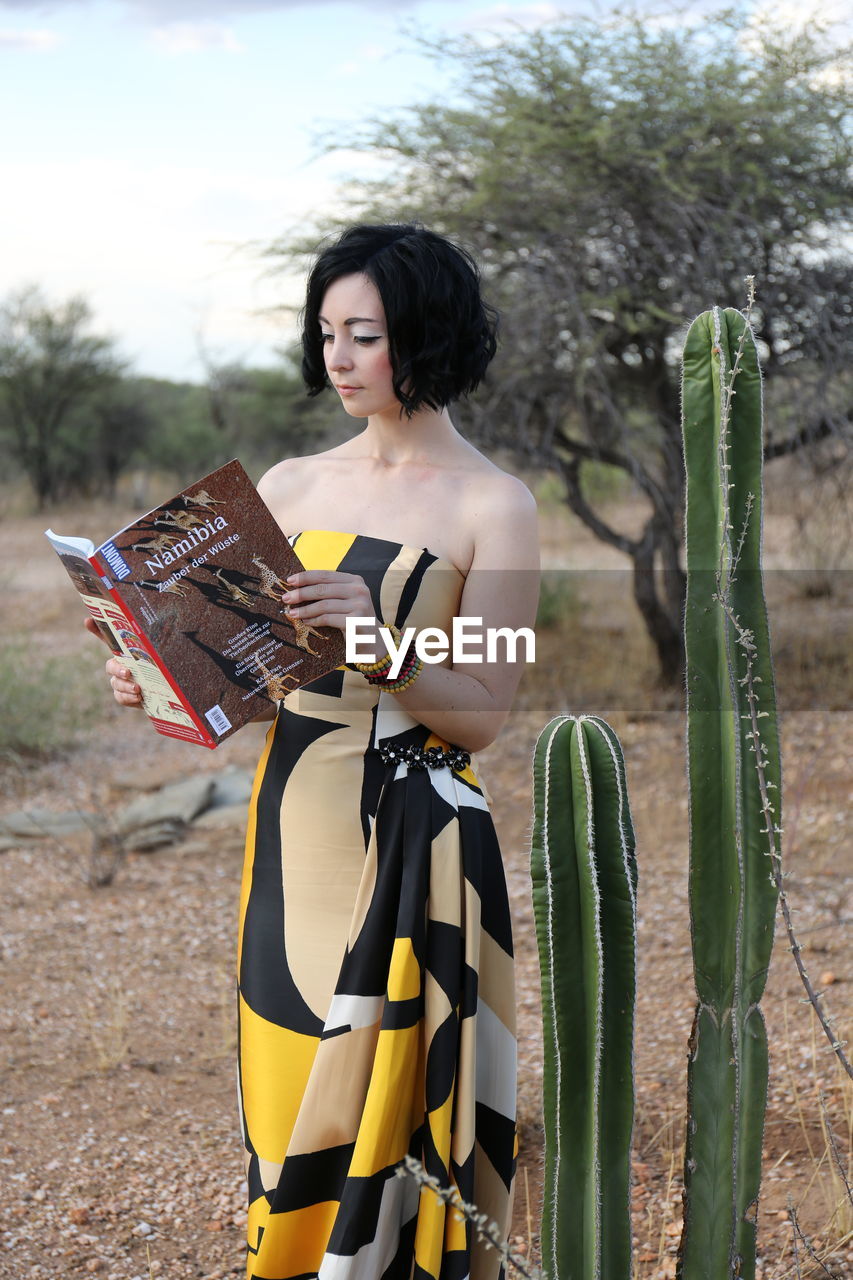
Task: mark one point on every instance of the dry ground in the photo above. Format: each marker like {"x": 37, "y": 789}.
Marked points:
{"x": 119, "y": 1147}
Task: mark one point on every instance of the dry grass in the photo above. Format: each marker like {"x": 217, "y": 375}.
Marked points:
{"x": 106, "y": 1023}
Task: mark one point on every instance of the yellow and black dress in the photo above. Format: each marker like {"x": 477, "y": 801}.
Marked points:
{"x": 376, "y": 1000}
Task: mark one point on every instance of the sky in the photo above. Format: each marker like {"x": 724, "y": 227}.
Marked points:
{"x": 151, "y": 147}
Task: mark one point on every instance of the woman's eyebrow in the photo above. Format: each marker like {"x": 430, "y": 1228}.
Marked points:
{"x": 352, "y": 320}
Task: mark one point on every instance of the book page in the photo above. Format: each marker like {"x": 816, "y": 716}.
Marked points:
{"x": 71, "y": 546}
{"x": 158, "y": 698}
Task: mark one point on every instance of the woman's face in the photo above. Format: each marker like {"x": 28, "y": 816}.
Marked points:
{"x": 355, "y": 347}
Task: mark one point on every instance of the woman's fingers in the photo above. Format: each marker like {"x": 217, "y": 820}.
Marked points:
{"x": 128, "y": 699}
{"x": 125, "y": 689}
{"x": 126, "y": 693}
{"x": 334, "y": 619}
{"x": 318, "y": 585}
{"x": 94, "y": 630}
{"x": 306, "y": 608}
{"x": 314, "y": 577}
{"x": 329, "y": 613}
{"x": 327, "y": 599}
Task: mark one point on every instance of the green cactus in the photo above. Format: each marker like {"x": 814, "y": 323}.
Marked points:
{"x": 584, "y": 897}
{"x": 733, "y": 766}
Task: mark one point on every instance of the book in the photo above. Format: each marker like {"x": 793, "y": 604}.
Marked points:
{"x": 190, "y": 596}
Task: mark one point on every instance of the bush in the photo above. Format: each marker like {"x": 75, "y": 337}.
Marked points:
{"x": 46, "y": 705}
{"x": 558, "y": 601}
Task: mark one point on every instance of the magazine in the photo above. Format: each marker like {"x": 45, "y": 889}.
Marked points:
{"x": 190, "y": 596}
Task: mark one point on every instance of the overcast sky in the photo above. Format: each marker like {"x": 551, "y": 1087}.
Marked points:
{"x": 147, "y": 142}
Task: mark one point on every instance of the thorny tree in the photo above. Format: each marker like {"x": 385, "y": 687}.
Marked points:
{"x": 615, "y": 180}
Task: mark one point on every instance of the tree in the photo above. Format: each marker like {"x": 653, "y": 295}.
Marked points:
{"x": 266, "y": 412}
{"x": 51, "y": 365}
{"x": 121, "y": 425}
{"x": 615, "y": 180}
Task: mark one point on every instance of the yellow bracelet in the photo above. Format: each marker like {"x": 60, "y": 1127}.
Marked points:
{"x": 375, "y": 668}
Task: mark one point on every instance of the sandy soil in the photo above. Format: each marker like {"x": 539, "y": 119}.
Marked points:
{"x": 119, "y": 1146}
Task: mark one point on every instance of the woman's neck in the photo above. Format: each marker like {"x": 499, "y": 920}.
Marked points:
{"x": 398, "y": 439}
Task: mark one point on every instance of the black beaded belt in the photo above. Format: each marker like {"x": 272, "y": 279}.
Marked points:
{"x": 430, "y": 758}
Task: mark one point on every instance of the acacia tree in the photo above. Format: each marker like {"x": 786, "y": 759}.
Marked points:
{"x": 615, "y": 180}
{"x": 50, "y": 366}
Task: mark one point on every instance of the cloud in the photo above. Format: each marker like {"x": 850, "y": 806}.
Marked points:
{"x": 193, "y": 37}
{"x": 33, "y": 41}
{"x": 369, "y": 53}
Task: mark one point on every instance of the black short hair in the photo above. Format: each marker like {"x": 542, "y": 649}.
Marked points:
{"x": 441, "y": 334}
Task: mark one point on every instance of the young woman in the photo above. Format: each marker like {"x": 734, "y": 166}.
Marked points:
{"x": 376, "y": 1007}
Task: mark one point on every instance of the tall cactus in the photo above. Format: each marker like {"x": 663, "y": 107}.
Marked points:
{"x": 733, "y": 766}
{"x": 584, "y": 897}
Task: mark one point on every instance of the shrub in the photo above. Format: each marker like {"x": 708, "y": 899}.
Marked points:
{"x": 46, "y": 703}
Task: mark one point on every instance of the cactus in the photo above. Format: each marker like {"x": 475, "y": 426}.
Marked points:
{"x": 584, "y": 897}
{"x": 734, "y": 776}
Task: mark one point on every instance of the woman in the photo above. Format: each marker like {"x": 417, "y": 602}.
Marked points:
{"x": 376, "y": 1009}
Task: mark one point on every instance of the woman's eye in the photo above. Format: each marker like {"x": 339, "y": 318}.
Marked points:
{"x": 364, "y": 340}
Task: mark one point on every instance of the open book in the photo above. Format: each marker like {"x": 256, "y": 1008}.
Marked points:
{"x": 190, "y": 597}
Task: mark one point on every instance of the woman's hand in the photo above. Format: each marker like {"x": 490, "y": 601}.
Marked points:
{"x": 125, "y": 690}
{"x": 325, "y": 598}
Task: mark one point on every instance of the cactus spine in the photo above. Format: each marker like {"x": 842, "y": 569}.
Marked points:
{"x": 734, "y": 776}
{"x": 584, "y": 897}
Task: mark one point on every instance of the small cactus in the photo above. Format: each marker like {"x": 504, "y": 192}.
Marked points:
{"x": 584, "y": 896}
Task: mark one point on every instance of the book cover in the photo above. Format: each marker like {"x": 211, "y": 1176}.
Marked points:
{"x": 190, "y": 595}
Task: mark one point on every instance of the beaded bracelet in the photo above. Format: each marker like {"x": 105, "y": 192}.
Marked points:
{"x": 378, "y": 668}
{"x": 408, "y": 673}
{"x": 404, "y": 679}
{"x": 380, "y": 677}
{"x": 375, "y": 672}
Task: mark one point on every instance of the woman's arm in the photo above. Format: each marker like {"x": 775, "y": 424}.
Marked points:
{"x": 467, "y": 703}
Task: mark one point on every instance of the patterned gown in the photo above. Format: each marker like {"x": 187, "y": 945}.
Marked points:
{"x": 376, "y": 997}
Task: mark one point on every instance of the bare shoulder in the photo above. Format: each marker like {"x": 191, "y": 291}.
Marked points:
{"x": 290, "y": 478}
{"x": 504, "y": 519}
{"x": 507, "y": 493}
{"x": 283, "y": 479}
{"x": 498, "y": 493}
